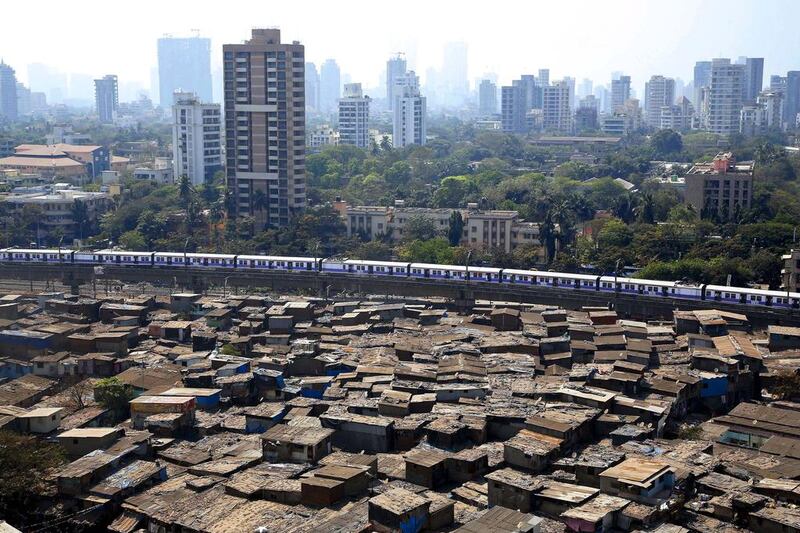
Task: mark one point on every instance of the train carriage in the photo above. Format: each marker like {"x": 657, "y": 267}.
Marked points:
{"x": 120, "y": 257}
{"x": 473, "y": 273}
{"x": 271, "y": 262}
{"x": 38, "y": 255}
{"x": 375, "y": 268}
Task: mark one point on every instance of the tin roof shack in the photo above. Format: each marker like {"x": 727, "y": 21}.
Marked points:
{"x": 787, "y": 490}
{"x": 40, "y": 421}
{"x": 129, "y": 480}
{"x": 206, "y": 399}
{"x": 80, "y": 441}
{"x": 152, "y": 378}
{"x": 55, "y": 365}
{"x": 145, "y": 407}
{"x": 76, "y": 477}
{"x": 603, "y": 318}
{"x": 185, "y": 302}
{"x": 506, "y": 319}
{"x": 776, "y": 519}
{"x": 321, "y": 491}
{"x": 503, "y": 520}
{"x": 109, "y": 311}
{"x": 427, "y": 468}
{"x": 399, "y": 510}
{"x": 555, "y": 497}
{"x": 101, "y": 365}
{"x": 530, "y": 450}
{"x": 512, "y": 489}
{"x": 25, "y": 391}
{"x": 573, "y": 424}
{"x": 639, "y": 479}
{"x": 588, "y": 396}
{"x": 780, "y": 338}
{"x": 599, "y": 514}
{"x": 590, "y": 462}
{"x": 356, "y": 433}
{"x": 263, "y": 416}
{"x": 25, "y": 344}
{"x": 174, "y": 330}
{"x": 220, "y": 318}
{"x": 467, "y": 464}
{"x": 751, "y": 425}
{"x": 283, "y": 443}
{"x": 355, "y": 478}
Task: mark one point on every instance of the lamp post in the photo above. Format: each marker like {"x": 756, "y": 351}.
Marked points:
{"x": 466, "y": 265}
{"x": 225, "y": 287}
{"x": 185, "y": 246}
{"x": 59, "y": 247}
{"x": 616, "y": 273}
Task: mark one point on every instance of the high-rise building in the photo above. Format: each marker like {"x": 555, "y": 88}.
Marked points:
{"x": 791, "y": 99}
{"x": 196, "y": 138}
{"x": 106, "y": 98}
{"x": 512, "y": 108}
{"x": 454, "y": 74}
{"x": 701, "y": 79}
{"x": 8, "y": 92}
{"x": 585, "y": 88}
{"x": 265, "y": 126}
{"x": 571, "y": 82}
{"x": 557, "y": 107}
{"x": 23, "y": 100}
{"x": 184, "y": 64}
{"x": 772, "y": 102}
{"x": 753, "y": 78}
{"x": 409, "y": 124}
{"x": 312, "y": 87}
{"x": 543, "y": 78}
{"x": 330, "y": 85}
{"x": 677, "y": 117}
{"x": 724, "y": 101}
{"x": 354, "y": 116}
{"x": 658, "y": 92}
{"x": 395, "y": 68}
{"x": 620, "y": 91}
{"x": 487, "y": 98}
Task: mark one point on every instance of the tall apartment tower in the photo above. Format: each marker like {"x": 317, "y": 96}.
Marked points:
{"x": 312, "y": 87}
{"x": 724, "y": 100}
{"x": 791, "y": 99}
{"x": 196, "y": 138}
{"x": 409, "y": 124}
{"x": 184, "y": 64}
{"x": 265, "y": 126}
{"x": 753, "y": 79}
{"x": 106, "y": 98}
{"x": 620, "y": 91}
{"x": 658, "y": 92}
{"x": 8, "y": 93}
{"x": 512, "y": 108}
{"x": 543, "y": 78}
{"x": 487, "y": 98}
{"x": 330, "y": 85}
{"x": 395, "y": 68}
{"x": 354, "y": 116}
{"x": 557, "y": 107}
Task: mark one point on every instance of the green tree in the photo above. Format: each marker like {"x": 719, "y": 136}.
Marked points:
{"x": 113, "y": 395}
{"x": 80, "y": 216}
{"x": 456, "y": 229}
{"x": 420, "y": 227}
{"x": 185, "y": 190}
{"x": 132, "y": 240}
{"x": 646, "y": 209}
{"x": 666, "y": 141}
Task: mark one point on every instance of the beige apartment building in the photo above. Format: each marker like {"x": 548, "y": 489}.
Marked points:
{"x": 721, "y": 185}
{"x": 265, "y": 126}
{"x": 489, "y": 228}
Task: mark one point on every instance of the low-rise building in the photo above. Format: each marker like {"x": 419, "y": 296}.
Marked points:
{"x": 722, "y": 187}
{"x": 59, "y": 160}
{"x": 482, "y": 228}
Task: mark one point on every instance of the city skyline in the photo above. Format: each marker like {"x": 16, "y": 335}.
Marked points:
{"x": 749, "y": 31}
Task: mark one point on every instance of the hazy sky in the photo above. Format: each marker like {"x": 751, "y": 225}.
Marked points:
{"x": 579, "y": 38}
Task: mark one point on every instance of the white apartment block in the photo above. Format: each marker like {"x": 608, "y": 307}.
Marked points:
{"x": 557, "y": 107}
{"x": 724, "y": 97}
{"x": 196, "y": 138}
{"x": 409, "y": 121}
{"x": 323, "y": 136}
{"x": 658, "y": 93}
{"x": 354, "y": 116}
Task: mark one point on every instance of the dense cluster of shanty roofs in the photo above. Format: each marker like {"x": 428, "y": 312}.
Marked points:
{"x": 301, "y": 415}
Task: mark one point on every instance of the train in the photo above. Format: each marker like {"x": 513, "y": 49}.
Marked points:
{"x": 417, "y": 271}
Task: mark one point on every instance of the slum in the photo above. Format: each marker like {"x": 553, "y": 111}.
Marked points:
{"x": 267, "y": 413}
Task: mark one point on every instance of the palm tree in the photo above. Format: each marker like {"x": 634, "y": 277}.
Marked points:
{"x": 645, "y": 211}
{"x": 185, "y": 190}
{"x": 260, "y": 202}
{"x": 80, "y": 216}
